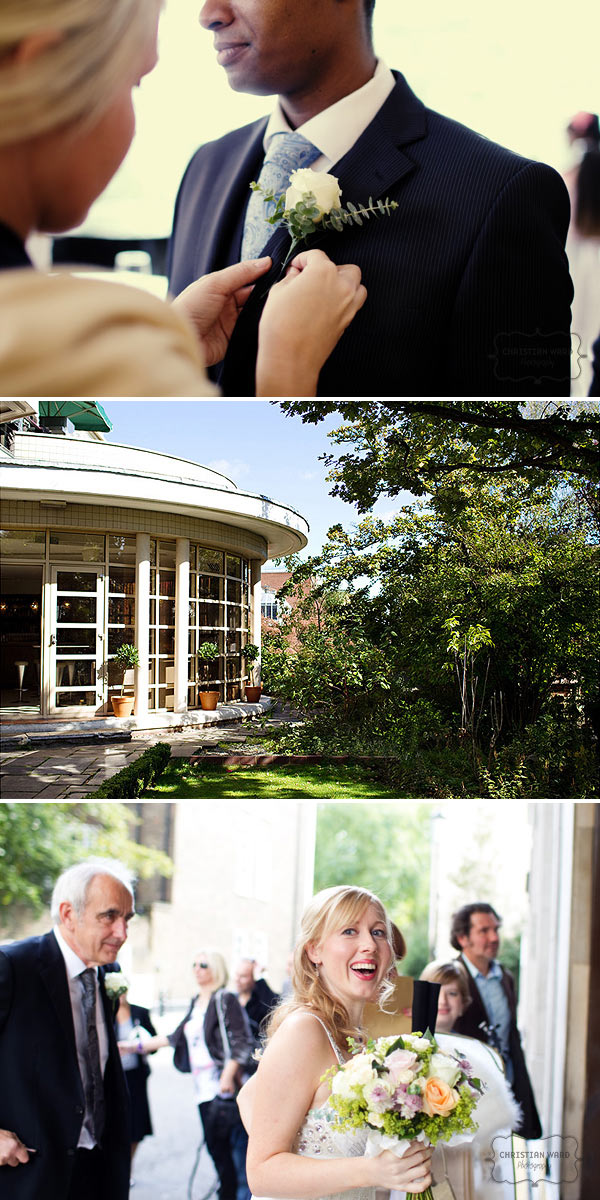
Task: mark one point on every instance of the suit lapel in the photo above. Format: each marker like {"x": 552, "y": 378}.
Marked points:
{"x": 220, "y": 229}
{"x": 54, "y": 976}
{"x": 376, "y": 162}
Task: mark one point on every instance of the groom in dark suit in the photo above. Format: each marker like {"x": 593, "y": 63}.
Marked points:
{"x": 64, "y": 1109}
{"x": 468, "y": 284}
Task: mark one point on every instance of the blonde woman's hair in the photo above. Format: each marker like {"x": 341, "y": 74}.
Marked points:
{"x": 217, "y": 964}
{"x": 330, "y": 910}
{"x": 74, "y": 78}
{"x": 449, "y": 973}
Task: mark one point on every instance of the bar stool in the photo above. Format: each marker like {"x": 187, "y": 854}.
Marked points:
{"x": 21, "y": 665}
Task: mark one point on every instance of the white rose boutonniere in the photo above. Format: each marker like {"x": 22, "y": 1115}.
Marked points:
{"x": 324, "y": 190}
{"x": 115, "y": 984}
{"x": 312, "y": 203}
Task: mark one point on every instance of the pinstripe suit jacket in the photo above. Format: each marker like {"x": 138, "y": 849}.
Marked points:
{"x": 468, "y": 284}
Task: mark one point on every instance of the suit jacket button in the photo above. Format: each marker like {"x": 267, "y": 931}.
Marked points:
{"x": 79, "y": 1110}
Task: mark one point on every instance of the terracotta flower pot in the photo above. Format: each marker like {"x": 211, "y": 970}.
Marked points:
{"x": 122, "y": 705}
{"x": 253, "y": 693}
{"x": 209, "y": 700}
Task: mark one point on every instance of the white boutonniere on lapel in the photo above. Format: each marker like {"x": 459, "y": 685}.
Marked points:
{"x": 312, "y": 203}
{"x": 115, "y": 985}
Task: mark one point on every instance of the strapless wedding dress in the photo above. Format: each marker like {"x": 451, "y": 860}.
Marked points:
{"x": 318, "y": 1139}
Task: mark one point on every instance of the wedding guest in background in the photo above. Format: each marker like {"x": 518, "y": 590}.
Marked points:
{"x": 64, "y": 1109}
{"x": 128, "y": 1019}
{"x": 583, "y": 241}
{"x": 468, "y": 280}
{"x": 454, "y": 995}
{"x": 255, "y": 996}
{"x": 492, "y": 1015}
{"x": 213, "y": 1043}
{"x": 67, "y": 72}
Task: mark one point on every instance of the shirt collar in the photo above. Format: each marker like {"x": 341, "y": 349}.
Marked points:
{"x": 495, "y": 971}
{"x": 335, "y": 130}
{"x": 74, "y": 964}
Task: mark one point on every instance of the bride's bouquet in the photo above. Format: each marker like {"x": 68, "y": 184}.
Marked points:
{"x": 403, "y": 1089}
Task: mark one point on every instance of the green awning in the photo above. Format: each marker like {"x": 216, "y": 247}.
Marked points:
{"x": 84, "y": 414}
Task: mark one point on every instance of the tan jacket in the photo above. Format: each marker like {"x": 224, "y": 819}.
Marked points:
{"x": 61, "y": 335}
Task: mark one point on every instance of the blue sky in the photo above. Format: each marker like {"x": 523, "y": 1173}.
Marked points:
{"x": 253, "y": 443}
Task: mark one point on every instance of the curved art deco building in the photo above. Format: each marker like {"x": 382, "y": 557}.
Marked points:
{"x": 104, "y": 544}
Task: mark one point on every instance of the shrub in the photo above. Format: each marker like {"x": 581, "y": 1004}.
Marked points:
{"x": 132, "y": 780}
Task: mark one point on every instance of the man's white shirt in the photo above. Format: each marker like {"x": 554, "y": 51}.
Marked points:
{"x": 335, "y": 130}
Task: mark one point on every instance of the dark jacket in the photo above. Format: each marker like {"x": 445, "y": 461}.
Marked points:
{"x": 262, "y": 1001}
{"x": 468, "y": 282}
{"x": 41, "y": 1093}
{"x": 236, "y": 1027}
{"x": 475, "y": 1015}
{"x": 140, "y": 1016}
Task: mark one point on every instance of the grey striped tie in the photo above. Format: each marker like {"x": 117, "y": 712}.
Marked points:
{"x": 94, "y": 1097}
{"x": 286, "y": 153}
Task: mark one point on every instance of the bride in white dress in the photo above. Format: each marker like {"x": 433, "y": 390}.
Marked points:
{"x": 341, "y": 962}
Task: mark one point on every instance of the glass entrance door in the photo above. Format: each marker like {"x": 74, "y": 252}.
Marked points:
{"x": 77, "y": 651}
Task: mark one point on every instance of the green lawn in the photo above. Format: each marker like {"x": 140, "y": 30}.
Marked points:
{"x": 319, "y": 781}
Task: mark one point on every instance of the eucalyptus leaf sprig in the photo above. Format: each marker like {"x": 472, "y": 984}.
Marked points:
{"x": 306, "y": 217}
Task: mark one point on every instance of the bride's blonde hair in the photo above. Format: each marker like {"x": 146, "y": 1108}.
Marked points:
{"x": 79, "y": 72}
{"x": 334, "y": 908}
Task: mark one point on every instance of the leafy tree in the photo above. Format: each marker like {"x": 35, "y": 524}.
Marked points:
{"x": 387, "y": 850}
{"x": 514, "y": 578}
{"x": 38, "y": 841}
{"x": 430, "y": 446}
{"x": 476, "y": 614}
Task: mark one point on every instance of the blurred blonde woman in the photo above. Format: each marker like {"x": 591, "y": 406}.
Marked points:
{"x": 341, "y": 961}
{"x": 67, "y": 72}
{"x": 214, "y": 1044}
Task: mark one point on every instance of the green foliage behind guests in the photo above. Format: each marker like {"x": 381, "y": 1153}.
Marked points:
{"x": 460, "y": 636}
{"x": 38, "y": 841}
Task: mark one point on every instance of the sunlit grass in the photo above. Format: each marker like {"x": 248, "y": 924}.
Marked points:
{"x": 315, "y": 781}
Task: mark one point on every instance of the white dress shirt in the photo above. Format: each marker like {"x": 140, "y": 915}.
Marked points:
{"x": 74, "y": 966}
{"x": 337, "y": 128}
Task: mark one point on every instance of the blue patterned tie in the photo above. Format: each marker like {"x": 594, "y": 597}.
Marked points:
{"x": 286, "y": 153}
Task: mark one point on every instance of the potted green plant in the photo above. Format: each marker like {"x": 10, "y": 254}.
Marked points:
{"x": 209, "y": 698}
{"x": 253, "y": 689}
{"x": 124, "y": 659}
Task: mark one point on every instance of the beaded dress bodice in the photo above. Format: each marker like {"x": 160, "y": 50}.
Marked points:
{"x": 317, "y": 1138}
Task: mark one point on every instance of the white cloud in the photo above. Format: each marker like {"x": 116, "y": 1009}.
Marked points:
{"x": 308, "y": 475}
{"x": 234, "y": 469}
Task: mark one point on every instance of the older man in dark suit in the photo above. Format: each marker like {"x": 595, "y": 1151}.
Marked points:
{"x": 64, "y": 1108}
{"x": 467, "y": 281}
{"x": 492, "y": 1015}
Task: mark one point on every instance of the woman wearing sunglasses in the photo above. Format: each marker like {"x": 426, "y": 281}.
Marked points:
{"x": 214, "y": 1043}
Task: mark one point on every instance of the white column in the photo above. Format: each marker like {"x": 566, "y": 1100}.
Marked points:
{"x": 255, "y": 568}
{"x": 182, "y": 622}
{"x": 142, "y": 621}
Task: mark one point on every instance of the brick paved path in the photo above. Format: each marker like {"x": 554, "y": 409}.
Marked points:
{"x": 72, "y": 772}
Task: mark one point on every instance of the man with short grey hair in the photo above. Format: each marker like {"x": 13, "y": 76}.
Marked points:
{"x": 64, "y": 1107}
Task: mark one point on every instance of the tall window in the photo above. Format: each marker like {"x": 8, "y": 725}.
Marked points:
{"x": 162, "y": 623}
{"x": 121, "y": 601}
{"x": 219, "y": 612}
